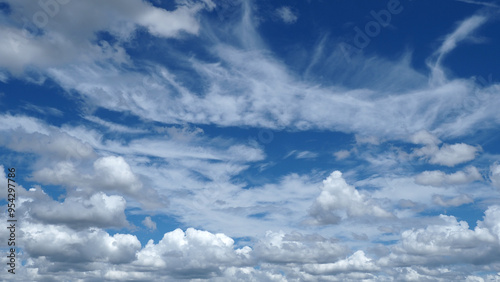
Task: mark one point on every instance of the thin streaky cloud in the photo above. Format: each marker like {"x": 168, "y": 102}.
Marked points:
{"x": 487, "y": 4}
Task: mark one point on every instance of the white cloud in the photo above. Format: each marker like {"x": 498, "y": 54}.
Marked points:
{"x": 191, "y": 254}
{"x": 342, "y": 154}
{"x": 279, "y": 205}
{"x": 464, "y": 29}
{"x": 302, "y": 154}
{"x": 269, "y": 94}
{"x": 306, "y": 155}
{"x": 367, "y": 139}
{"x": 149, "y": 223}
{"x": 30, "y": 135}
{"x": 114, "y": 127}
{"x": 114, "y": 173}
{"x": 438, "y": 178}
{"x": 495, "y": 174}
{"x": 111, "y": 173}
{"x": 411, "y": 195}
{"x": 281, "y": 248}
{"x": 239, "y": 87}
{"x": 461, "y": 33}
{"x": 3, "y": 78}
{"x": 44, "y": 110}
{"x": 172, "y": 149}
{"x": 448, "y": 155}
{"x": 287, "y": 15}
{"x": 357, "y": 262}
{"x": 69, "y": 30}
{"x": 24, "y": 123}
{"x": 340, "y": 200}
{"x": 269, "y": 97}
{"x": 450, "y": 242}
{"x": 452, "y": 202}
{"x": 425, "y": 138}
{"x": 62, "y": 244}
{"x": 251, "y": 274}
{"x": 99, "y": 210}
{"x": 487, "y": 4}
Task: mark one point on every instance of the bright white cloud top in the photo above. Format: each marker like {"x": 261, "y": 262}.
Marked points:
{"x": 250, "y": 140}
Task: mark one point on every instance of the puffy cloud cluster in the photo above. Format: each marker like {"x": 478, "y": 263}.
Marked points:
{"x": 339, "y": 200}
{"x": 115, "y": 173}
{"x": 57, "y": 251}
{"x": 110, "y": 173}
{"x": 191, "y": 254}
{"x": 450, "y": 242}
{"x": 62, "y": 244}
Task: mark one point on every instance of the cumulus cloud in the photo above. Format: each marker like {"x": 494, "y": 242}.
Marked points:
{"x": 62, "y": 244}
{"x": 99, "y": 210}
{"x": 451, "y": 155}
{"x": 340, "y": 200}
{"x": 450, "y": 242}
{"x": 287, "y": 15}
{"x": 112, "y": 173}
{"x": 191, "y": 254}
{"x": 439, "y": 178}
{"x": 446, "y": 155}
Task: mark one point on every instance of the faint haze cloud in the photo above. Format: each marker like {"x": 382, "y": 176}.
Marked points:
{"x": 149, "y": 223}
{"x": 342, "y": 154}
{"x": 287, "y": 15}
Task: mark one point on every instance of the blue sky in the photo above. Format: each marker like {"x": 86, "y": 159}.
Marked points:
{"x": 252, "y": 140}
